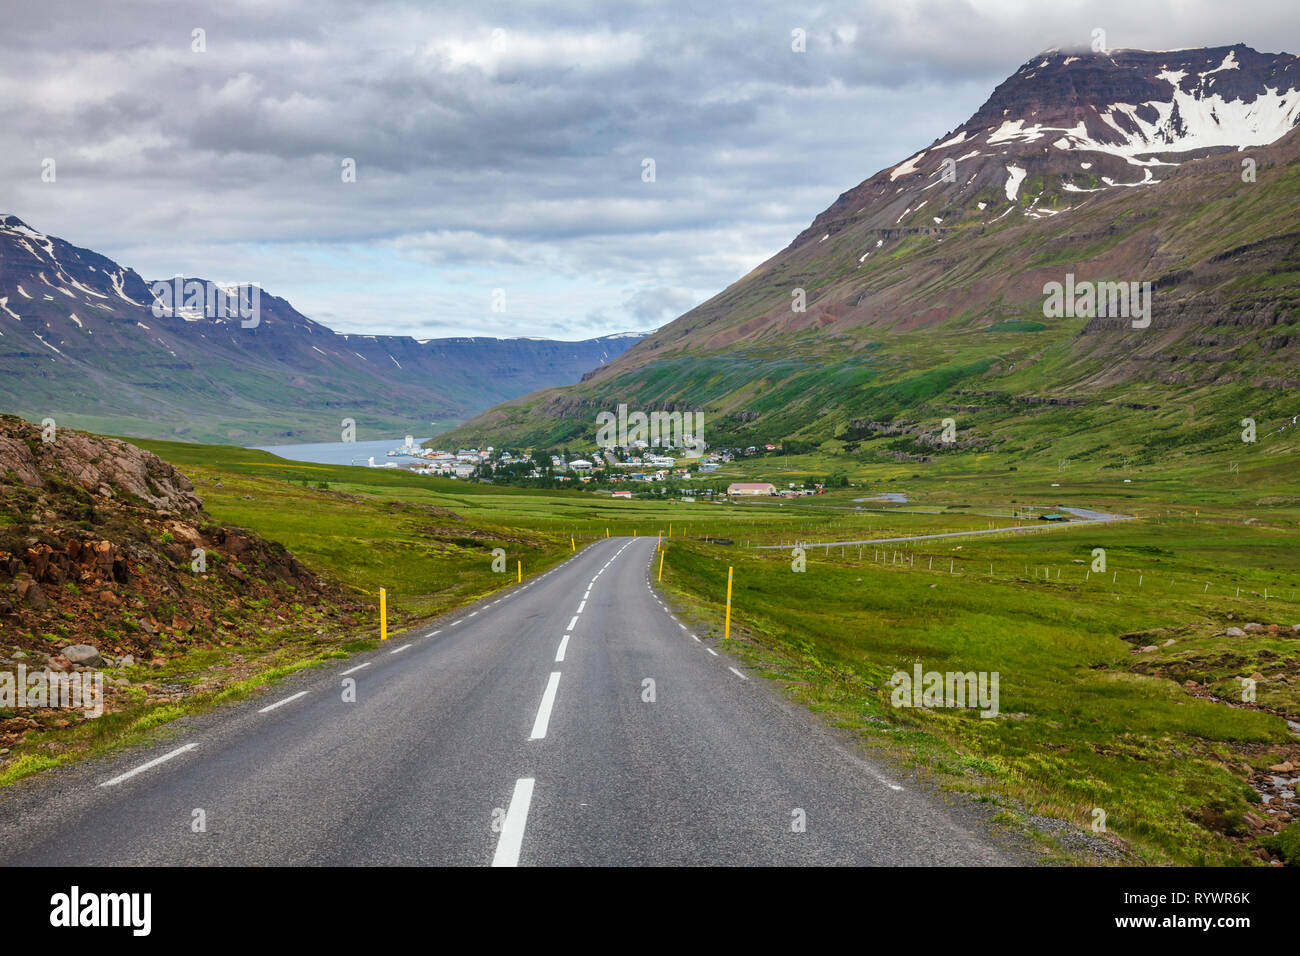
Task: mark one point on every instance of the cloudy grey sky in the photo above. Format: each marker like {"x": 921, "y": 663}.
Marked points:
{"x": 501, "y": 146}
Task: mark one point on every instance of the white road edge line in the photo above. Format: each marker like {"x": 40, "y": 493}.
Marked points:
{"x": 737, "y": 673}
{"x": 400, "y": 649}
{"x": 353, "y": 670}
{"x": 712, "y": 651}
{"x": 280, "y": 703}
{"x": 512, "y": 831}
{"x": 544, "y": 711}
{"x": 559, "y": 655}
{"x": 148, "y": 766}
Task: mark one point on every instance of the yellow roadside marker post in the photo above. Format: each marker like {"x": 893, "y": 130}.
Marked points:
{"x": 659, "y": 541}
{"x": 520, "y": 566}
{"x": 573, "y": 544}
{"x": 607, "y": 532}
{"x": 726, "y": 634}
{"x": 634, "y": 532}
{"x": 383, "y": 614}
{"x": 661, "y": 564}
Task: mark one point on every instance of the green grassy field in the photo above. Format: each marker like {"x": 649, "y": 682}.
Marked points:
{"x": 1088, "y": 721}
{"x": 1095, "y": 711}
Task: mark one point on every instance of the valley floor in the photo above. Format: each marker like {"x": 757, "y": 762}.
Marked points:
{"x": 1121, "y": 732}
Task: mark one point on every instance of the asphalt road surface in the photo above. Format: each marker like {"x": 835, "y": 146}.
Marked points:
{"x": 519, "y": 731}
{"x": 1083, "y": 514}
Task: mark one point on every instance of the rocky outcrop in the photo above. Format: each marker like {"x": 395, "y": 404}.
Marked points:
{"x": 105, "y": 467}
{"x": 107, "y": 545}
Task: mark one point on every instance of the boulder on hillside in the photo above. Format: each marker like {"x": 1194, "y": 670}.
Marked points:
{"x": 28, "y": 590}
{"x": 83, "y": 654}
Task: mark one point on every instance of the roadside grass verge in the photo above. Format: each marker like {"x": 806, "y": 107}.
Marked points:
{"x": 146, "y": 723}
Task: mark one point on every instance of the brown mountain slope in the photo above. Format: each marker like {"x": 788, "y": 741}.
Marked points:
{"x": 904, "y": 312}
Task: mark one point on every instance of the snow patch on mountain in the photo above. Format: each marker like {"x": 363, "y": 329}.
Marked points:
{"x": 77, "y": 285}
{"x": 117, "y": 278}
{"x": 47, "y": 344}
{"x": 1014, "y": 180}
{"x": 1184, "y": 122}
{"x": 907, "y": 168}
{"x": 17, "y": 228}
{"x": 1229, "y": 63}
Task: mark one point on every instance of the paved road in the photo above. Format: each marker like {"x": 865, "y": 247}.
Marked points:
{"x": 517, "y": 732}
{"x": 1086, "y": 518}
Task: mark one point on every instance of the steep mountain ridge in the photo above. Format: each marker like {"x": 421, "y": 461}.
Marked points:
{"x": 1086, "y": 123}
{"x": 923, "y": 289}
{"x": 79, "y": 342}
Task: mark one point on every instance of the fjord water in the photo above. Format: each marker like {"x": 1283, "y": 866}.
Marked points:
{"x": 342, "y": 452}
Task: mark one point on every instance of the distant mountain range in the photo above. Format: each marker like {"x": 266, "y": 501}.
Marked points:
{"x": 80, "y": 343}
{"x": 925, "y": 287}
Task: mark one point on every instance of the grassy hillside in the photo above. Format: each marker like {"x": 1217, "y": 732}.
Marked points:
{"x": 948, "y": 321}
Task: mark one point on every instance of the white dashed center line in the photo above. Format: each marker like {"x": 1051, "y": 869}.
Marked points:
{"x": 559, "y": 655}
{"x": 571, "y": 623}
{"x": 544, "y": 711}
{"x": 512, "y": 830}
